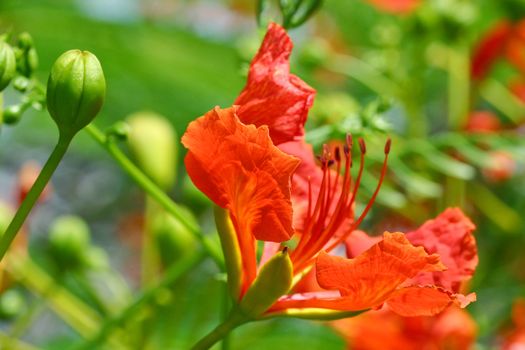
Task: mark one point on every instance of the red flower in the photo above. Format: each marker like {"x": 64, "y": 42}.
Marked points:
{"x": 483, "y": 122}
{"x": 453, "y": 329}
{"x": 515, "y": 340}
{"x": 396, "y": 6}
{"x": 505, "y": 39}
{"x": 502, "y": 166}
{"x": 238, "y": 167}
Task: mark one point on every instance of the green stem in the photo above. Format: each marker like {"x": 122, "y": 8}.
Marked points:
{"x": 11, "y": 343}
{"x": 221, "y": 331}
{"x": 152, "y": 189}
{"x": 150, "y": 258}
{"x": 34, "y": 193}
{"x": 458, "y": 86}
{"x": 226, "y": 301}
{"x": 172, "y": 274}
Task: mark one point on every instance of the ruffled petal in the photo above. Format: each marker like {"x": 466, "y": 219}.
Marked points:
{"x": 419, "y": 301}
{"x": 450, "y": 236}
{"x": 369, "y": 279}
{"x": 273, "y": 96}
{"x": 239, "y": 168}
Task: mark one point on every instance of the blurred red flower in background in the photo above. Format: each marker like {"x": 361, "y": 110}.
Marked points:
{"x": 515, "y": 340}
{"x": 396, "y": 6}
{"x": 453, "y": 329}
{"x": 504, "y": 40}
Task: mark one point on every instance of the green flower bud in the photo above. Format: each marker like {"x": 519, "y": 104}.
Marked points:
{"x": 21, "y": 83}
{"x": 274, "y": 280}
{"x": 12, "y": 114}
{"x": 172, "y": 238}
{"x": 12, "y": 304}
{"x": 153, "y": 141}
{"x": 96, "y": 258}
{"x": 69, "y": 241}
{"x": 75, "y": 91}
{"x": 119, "y": 131}
{"x": 25, "y": 40}
{"x": 27, "y": 58}
{"x": 7, "y": 64}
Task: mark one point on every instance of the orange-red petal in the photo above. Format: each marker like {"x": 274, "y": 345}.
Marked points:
{"x": 272, "y": 96}
{"x": 369, "y": 279}
{"x": 419, "y": 301}
{"x": 450, "y": 236}
{"x": 239, "y": 168}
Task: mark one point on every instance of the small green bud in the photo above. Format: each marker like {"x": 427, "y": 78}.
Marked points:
{"x": 12, "y": 304}
{"x": 120, "y": 131}
{"x": 96, "y": 258}
{"x": 173, "y": 239}
{"x": 7, "y": 64}
{"x": 27, "y": 58}
{"x": 153, "y": 141}
{"x": 25, "y": 40}
{"x": 21, "y": 83}
{"x": 273, "y": 281}
{"x": 75, "y": 90}
{"x": 12, "y": 114}
{"x": 69, "y": 241}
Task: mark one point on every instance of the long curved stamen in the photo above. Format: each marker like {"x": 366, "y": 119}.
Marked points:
{"x": 323, "y": 225}
{"x": 370, "y": 202}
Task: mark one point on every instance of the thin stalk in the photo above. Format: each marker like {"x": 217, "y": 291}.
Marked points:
{"x": 226, "y": 301}
{"x": 458, "y": 109}
{"x": 172, "y": 274}
{"x": 220, "y": 332}
{"x": 152, "y": 189}
{"x": 150, "y": 259}
{"x": 34, "y": 193}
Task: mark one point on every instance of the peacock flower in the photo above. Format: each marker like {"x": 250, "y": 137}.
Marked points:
{"x": 252, "y": 162}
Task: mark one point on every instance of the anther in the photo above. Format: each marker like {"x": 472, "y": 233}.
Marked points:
{"x": 387, "y": 145}
{"x": 349, "y": 140}
{"x": 362, "y": 146}
{"x": 337, "y": 154}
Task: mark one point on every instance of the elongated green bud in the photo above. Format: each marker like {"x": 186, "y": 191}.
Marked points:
{"x": 273, "y": 281}
{"x": 231, "y": 250}
{"x": 75, "y": 91}
{"x": 7, "y": 64}
{"x": 152, "y": 140}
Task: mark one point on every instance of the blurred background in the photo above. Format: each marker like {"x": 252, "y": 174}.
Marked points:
{"x": 444, "y": 78}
